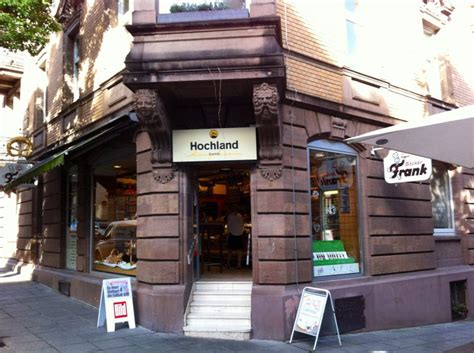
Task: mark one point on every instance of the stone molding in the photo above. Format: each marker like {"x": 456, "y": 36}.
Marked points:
{"x": 338, "y": 128}
{"x": 163, "y": 175}
{"x": 270, "y": 173}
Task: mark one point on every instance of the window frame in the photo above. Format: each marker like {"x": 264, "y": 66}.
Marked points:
{"x": 452, "y": 230}
{"x": 333, "y": 146}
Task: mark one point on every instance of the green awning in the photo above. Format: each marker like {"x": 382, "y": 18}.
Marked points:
{"x": 58, "y": 159}
{"x": 28, "y": 176}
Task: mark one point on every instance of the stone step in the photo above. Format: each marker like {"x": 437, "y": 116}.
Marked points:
{"x": 241, "y": 333}
{"x": 226, "y": 286}
{"x": 222, "y": 310}
{"x": 217, "y": 299}
{"x": 220, "y": 316}
{"x": 217, "y": 322}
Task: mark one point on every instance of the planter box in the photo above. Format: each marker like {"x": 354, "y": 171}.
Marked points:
{"x": 203, "y": 16}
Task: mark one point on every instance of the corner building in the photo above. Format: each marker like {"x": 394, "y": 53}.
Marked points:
{"x": 305, "y": 76}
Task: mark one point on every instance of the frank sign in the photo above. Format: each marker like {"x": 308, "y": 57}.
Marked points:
{"x": 400, "y": 167}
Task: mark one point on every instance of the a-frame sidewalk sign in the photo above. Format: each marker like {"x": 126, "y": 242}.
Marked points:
{"x": 315, "y": 309}
{"x": 116, "y": 303}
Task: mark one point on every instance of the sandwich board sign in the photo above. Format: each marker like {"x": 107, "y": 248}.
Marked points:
{"x": 116, "y": 303}
{"x": 315, "y": 309}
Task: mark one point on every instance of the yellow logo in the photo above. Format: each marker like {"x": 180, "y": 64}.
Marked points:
{"x": 213, "y": 134}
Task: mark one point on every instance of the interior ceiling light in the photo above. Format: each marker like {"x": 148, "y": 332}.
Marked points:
{"x": 117, "y": 166}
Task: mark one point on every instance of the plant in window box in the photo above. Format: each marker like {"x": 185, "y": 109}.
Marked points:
{"x": 459, "y": 311}
{"x": 190, "y": 7}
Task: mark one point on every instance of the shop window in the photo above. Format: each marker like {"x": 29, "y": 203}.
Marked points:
{"x": 442, "y": 201}
{"x": 333, "y": 183}
{"x": 115, "y": 207}
{"x": 71, "y": 231}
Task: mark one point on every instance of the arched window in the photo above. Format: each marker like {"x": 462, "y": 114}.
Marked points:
{"x": 335, "y": 231}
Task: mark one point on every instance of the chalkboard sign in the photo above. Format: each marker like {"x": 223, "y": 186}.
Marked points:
{"x": 315, "y": 308}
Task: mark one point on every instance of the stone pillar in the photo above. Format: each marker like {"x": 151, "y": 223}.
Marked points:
{"x": 84, "y": 220}
{"x": 260, "y": 8}
{"x": 280, "y": 210}
{"x": 20, "y": 243}
{"x": 161, "y": 225}
{"x": 145, "y": 12}
{"x": 51, "y": 251}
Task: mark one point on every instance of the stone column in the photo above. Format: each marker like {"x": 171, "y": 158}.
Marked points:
{"x": 280, "y": 208}
{"x": 160, "y": 231}
{"x": 53, "y": 228}
{"x": 145, "y": 12}
{"x": 260, "y": 8}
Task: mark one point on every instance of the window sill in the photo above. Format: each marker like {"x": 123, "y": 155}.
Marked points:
{"x": 446, "y": 237}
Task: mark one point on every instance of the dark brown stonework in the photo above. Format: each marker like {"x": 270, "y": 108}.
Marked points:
{"x": 402, "y": 263}
{"x": 155, "y": 303}
{"x": 284, "y": 272}
{"x": 51, "y": 229}
{"x": 160, "y": 272}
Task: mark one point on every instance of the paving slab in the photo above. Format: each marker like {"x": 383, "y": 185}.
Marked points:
{"x": 35, "y": 318}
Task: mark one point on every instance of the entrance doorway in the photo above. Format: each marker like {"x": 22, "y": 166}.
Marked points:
{"x": 224, "y": 224}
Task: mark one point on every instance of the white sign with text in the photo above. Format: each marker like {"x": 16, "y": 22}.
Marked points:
{"x": 401, "y": 167}
{"x": 116, "y": 303}
{"x": 315, "y": 309}
{"x": 11, "y": 171}
{"x": 202, "y": 145}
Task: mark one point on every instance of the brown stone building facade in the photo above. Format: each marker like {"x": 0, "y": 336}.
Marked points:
{"x": 321, "y": 214}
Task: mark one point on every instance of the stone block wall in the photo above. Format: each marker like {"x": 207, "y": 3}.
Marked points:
{"x": 52, "y": 220}
{"x": 25, "y": 243}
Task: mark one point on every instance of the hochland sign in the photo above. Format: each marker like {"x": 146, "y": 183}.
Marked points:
{"x": 202, "y": 145}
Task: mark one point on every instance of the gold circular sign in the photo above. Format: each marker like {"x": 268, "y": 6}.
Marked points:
{"x": 19, "y": 146}
{"x": 213, "y": 133}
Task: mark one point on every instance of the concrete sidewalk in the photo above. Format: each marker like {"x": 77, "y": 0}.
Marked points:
{"x": 34, "y": 318}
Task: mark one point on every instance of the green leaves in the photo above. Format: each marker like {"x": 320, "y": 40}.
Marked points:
{"x": 26, "y": 24}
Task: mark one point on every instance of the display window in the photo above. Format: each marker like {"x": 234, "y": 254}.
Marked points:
{"x": 333, "y": 183}
{"x": 115, "y": 208}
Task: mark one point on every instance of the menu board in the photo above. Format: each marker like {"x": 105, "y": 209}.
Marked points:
{"x": 315, "y": 306}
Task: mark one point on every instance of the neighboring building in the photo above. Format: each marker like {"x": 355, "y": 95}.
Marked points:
{"x": 11, "y": 118}
{"x": 118, "y": 193}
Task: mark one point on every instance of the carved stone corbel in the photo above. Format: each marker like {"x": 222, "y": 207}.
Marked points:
{"x": 152, "y": 115}
{"x": 338, "y": 128}
{"x": 163, "y": 175}
{"x": 266, "y": 107}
